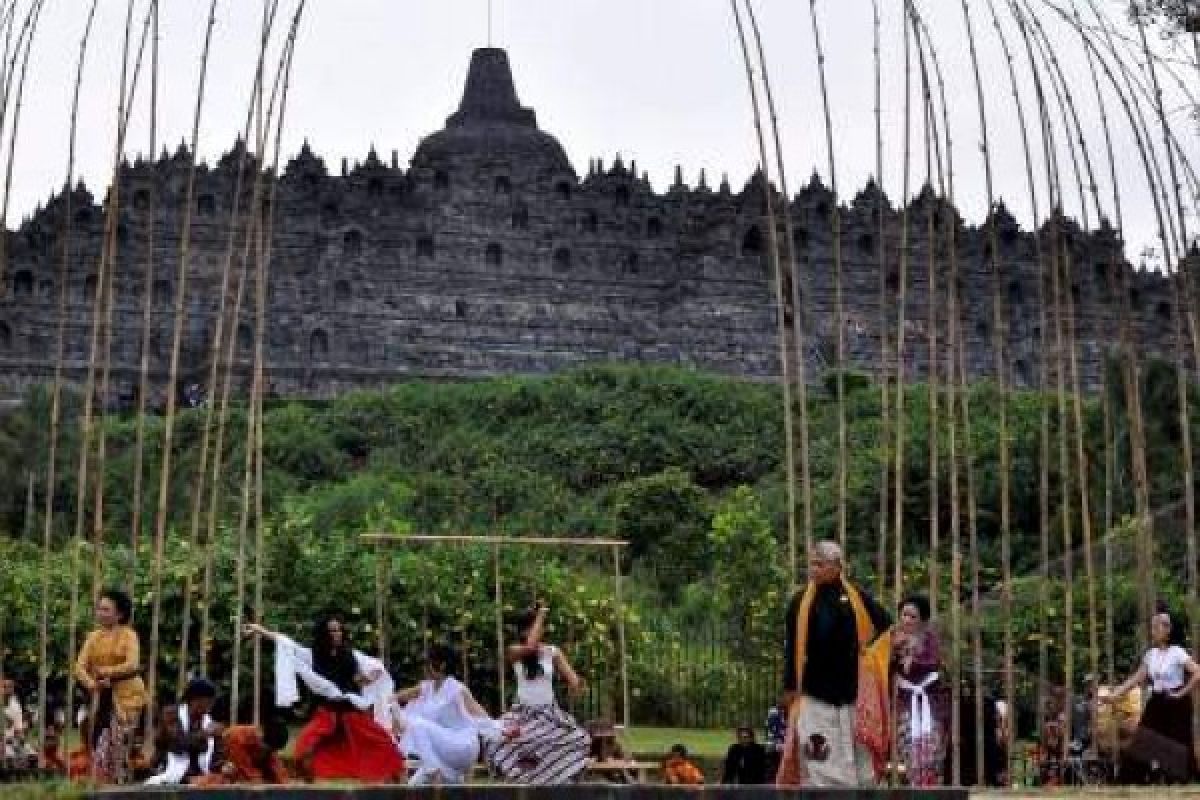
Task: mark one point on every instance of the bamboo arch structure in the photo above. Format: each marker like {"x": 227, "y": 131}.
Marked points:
{"x": 1065, "y": 165}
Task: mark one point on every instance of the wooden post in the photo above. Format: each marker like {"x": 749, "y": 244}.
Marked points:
{"x": 501, "y": 671}
{"x": 624, "y": 654}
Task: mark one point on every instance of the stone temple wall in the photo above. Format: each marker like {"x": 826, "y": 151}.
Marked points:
{"x": 490, "y": 256}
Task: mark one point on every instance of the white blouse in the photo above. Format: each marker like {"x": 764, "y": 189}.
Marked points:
{"x": 1166, "y": 668}
{"x": 537, "y": 691}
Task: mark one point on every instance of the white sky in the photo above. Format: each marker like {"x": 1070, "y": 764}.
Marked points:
{"x": 658, "y": 81}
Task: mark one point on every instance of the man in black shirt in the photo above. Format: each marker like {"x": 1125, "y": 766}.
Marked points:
{"x": 828, "y": 625}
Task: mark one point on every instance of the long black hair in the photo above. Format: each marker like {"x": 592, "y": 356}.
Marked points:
{"x": 121, "y": 602}
{"x": 442, "y": 657}
{"x": 531, "y": 661}
{"x": 328, "y": 661}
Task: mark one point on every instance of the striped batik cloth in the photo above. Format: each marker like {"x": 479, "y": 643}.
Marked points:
{"x": 549, "y": 747}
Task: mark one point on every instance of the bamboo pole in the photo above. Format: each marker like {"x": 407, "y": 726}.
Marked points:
{"x": 1071, "y": 118}
{"x": 777, "y": 272}
{"x": 56, "y": 408}
{"x": 180, "y": 311}
{"x": 901, "y": 333}
{"x": 253, "y": 429}
{"x": 214, "y": 386}
{"x": 498, "y": 593}
{"x": 1181, "y": 305}
{"x": 885, "y": 399}
{"x": 535, "y": 541}
{"x": 23, "y": 49}
{"x": 839, "y": 320}
{"x": 798, "y": 298}
{"x": 147, "y": 315}
{"x": 626, "y": 714}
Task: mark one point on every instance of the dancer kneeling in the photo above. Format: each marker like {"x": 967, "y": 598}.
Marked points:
{"x": 344, "y": 740}
{"x": 187, "y": 737}
{"x": 442, "y": 724}
{"x": 544, "y": 745}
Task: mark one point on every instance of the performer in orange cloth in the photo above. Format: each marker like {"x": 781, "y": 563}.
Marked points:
{"x": 251, "y": 757}
{"x": 343, "y": 740}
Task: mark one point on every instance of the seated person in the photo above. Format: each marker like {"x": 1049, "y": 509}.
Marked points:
{"x": 188, "y": 737}
{"x": 606, "y": 752}
{"x": 678, "y": 770}
{"x": 746, "y": 761}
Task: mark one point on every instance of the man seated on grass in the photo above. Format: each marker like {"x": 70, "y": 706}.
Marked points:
{"x": 678, "y": 770}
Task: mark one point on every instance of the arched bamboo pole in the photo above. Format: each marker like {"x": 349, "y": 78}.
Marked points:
{"x": 839, "y": 320}
{"x": 253, "y": 427}
{"x": 1181, "y": 305}
{"x": 180, "y": 310}
{"x": 224, "y": 320}
{"x": 777, "y": 271}
{"x": 901, "y": 326}
{"x": 22, "y": 52}
{"x": 56, "y": 394}
{"x": 798, "y": 298}
{"x": 266, "y": 242}
{"x": 885, "y": 392}
{"x": 998, "y": 346}
{"x": 135, "y": 522}
{"x": 1071, "y": 122}
{"x": 955, "y": 390}
{"x": 88, "y": 420}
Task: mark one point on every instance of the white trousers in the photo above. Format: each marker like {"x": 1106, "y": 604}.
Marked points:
{"x": 847, "y": 764}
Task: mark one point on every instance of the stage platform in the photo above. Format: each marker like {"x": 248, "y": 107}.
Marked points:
{"x": 584, "y": 792}
{"x": 600, "y": 792}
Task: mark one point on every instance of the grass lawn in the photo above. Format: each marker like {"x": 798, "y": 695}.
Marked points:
{"x": 655, "y": 742}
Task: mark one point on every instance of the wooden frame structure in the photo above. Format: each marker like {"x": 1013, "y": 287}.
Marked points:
{"x": 615, "y": 546}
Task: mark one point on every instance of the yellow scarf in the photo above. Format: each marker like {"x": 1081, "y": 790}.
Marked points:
{"x": 862, "y": 623}
{"x": 872, "y": 707}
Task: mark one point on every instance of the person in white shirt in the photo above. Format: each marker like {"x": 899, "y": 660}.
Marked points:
{"x": 544, "y": 745}
{"x": 1172, "y": 675}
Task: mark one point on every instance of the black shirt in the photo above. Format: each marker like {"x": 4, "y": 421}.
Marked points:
{"x": 340, "y": 668}
{"x": 831, "y": 668}
{"x": 745, "y": 765}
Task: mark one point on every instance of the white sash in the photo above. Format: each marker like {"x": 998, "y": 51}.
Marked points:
{"x": 920, "y": 712}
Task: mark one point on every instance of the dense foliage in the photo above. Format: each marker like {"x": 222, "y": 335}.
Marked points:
{"x": 686, "y": 467}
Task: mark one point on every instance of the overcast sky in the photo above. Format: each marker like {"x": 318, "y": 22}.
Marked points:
{"x": 658, "y": 81}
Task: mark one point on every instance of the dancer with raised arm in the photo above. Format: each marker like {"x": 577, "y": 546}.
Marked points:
{"x": 440, "y": 722}
{"x": 1165, "y": 741}
{"x": 346, "y": 739}
{"x": 544, "y": 745}
{"x": 109, "y": 668}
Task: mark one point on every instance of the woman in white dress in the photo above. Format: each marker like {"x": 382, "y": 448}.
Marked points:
{"x": 544, "y": 745}
{"x": 441, "y": 724}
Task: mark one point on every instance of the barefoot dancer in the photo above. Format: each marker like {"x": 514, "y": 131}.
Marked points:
{"x": 546, "y": 745}
{"x": 344, "y": 740}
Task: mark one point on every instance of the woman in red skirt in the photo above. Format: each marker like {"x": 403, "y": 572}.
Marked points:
{"x": 345, "y": 739}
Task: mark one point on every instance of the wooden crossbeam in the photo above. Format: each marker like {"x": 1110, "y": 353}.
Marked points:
{"x": 404, "y": 538}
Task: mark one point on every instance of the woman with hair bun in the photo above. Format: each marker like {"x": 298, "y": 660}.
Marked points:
{"x": 109, "y": 669}
{"x": 922, "y": 707}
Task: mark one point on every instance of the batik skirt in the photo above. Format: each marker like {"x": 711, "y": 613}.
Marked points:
{"x": 548, "y": 748}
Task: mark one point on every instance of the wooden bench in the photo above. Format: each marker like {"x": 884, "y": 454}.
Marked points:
{"x": 643, "y": 771}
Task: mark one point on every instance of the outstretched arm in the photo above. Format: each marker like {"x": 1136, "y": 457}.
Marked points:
{"x": 406, "y": 696}
{"x": 254, "y": 629}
